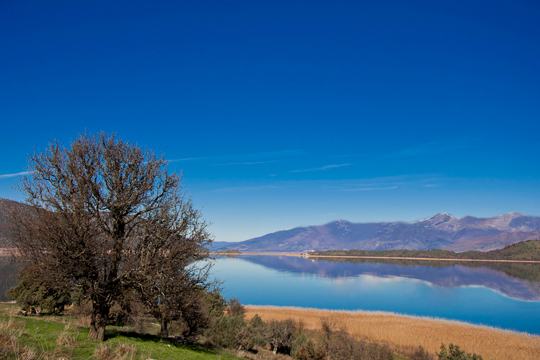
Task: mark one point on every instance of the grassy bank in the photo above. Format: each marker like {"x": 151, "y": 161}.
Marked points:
{"x": 59, "y": 337}
{"x": 402, "y": 333}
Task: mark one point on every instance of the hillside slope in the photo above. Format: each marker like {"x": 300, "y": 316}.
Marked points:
{"x": 437, "y": 232}
{"x": 6, "y": 207}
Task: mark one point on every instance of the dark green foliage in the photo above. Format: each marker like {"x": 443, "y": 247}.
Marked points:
{"x": 35, "y": 295}
{"x": 257, "y": 322}
{"x": 455, "y": 353}
{"x": 215, "y": 304}
{"x": 224, "y": 329}
{"x": 281, "y": 335}
{"x": 300, "y": 340}
{"x": 252, "y": 335}
{"x": 235, "y": 308}
{"x": 304, "y": 348}
{"x": 233, "y": 332}
{"x": 310, "y": 351}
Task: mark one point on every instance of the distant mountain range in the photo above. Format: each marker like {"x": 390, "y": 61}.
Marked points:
{"x": 442, "y": 231}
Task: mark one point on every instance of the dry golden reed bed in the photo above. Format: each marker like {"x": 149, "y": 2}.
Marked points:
{"x": 403, "y": 332}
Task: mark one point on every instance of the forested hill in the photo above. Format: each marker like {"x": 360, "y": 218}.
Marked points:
{"x": 526, "y": 250}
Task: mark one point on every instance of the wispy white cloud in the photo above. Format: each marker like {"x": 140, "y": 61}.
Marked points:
{"x": 327, "y": 167}
{"x": 384, "y": 183}
{"x": 23, "y": 173}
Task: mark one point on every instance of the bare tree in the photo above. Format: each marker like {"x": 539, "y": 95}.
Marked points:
{"x": 171, "y": 277}
{"x": 104, "y": 212}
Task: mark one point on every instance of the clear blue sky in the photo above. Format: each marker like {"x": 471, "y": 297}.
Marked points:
{"x": 288, "y": 113}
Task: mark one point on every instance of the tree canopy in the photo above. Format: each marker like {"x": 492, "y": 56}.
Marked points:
{"x": 109, "y": 219}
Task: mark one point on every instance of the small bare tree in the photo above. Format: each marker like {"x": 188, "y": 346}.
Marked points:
{"x": 172, "y": 275}
{"x": 104, "y": 213}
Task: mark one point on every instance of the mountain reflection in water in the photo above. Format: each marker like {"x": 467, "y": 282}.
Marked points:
{"x": 516, "y": 280}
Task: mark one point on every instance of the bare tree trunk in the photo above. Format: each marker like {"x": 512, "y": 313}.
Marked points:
{"x": 164, "y": 322}
{"x": 100, "y": 315}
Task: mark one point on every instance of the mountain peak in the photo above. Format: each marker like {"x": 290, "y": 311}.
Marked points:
{"x": 446, "y": 215}
{"x": 439, "y": 218}
{"x": 512, "y": 215}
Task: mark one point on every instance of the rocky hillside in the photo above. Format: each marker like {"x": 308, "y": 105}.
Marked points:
{"x": 442, "y": 231}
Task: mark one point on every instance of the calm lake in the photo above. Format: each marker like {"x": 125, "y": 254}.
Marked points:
{"x": 504, "y": 295}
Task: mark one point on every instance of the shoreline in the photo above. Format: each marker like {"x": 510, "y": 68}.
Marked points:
{"x": 373, "y": 257}
{"x": 422, "y": 259}
{"x": 404, "y": 332}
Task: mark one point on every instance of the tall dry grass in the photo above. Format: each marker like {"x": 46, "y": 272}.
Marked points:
{"x": 402, "y": 333}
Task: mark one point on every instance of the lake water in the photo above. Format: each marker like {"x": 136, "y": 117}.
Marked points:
{"x": 496, "y": 294}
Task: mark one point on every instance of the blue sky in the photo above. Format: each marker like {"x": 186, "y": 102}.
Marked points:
{"x": 285, "y": 113}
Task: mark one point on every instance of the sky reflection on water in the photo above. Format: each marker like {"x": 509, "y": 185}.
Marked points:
{"x": 478, "y": 295}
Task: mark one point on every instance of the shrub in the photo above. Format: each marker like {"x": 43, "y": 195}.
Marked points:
{"x": 281, "y": 335}
{"x": 215, "y": 304}
{"x": 252, "y": 335}
{"x": 339, "y": 345}
{"x": 304, "y": 348}
{"x": 235, "y": 308}
{"x": 34, "y": 295}
{"x": 195, "y": 319}
{"x": 224, "y": 329}
{"x": 454, "y": 353}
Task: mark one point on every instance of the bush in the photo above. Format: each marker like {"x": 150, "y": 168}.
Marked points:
{"x": 194, "y": 319}
{"x": 454, "y": 353}
{"x": 252, "y": 335}
{"x": 34, "y": 295}
{"x": 224, "y": 329}
{"x": 304, "y": 348}
{"x": 281, "y": 335}
{"x": 215, "y": 304}
{"x": 310, "y": 351}
{"x": 235, "y": 308}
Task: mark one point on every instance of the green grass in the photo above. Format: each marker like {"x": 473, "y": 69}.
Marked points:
{"x": 40, "y": 336}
